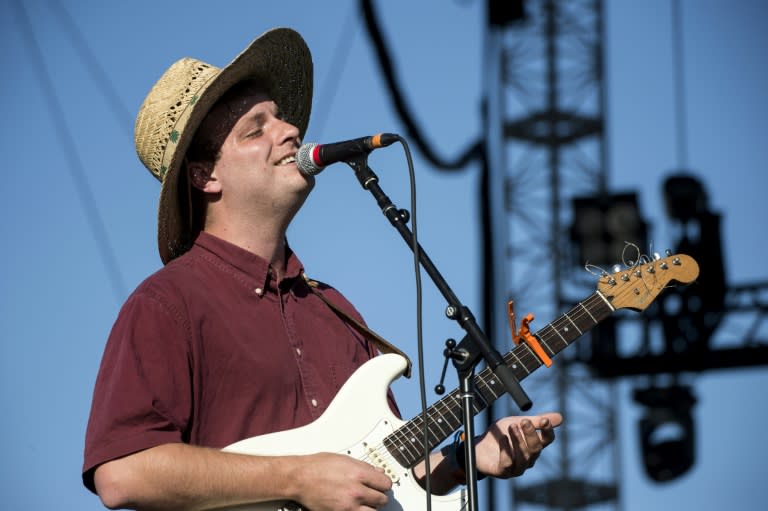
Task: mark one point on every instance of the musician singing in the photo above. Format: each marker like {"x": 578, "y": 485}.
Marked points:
{"x": 229, "y": 339}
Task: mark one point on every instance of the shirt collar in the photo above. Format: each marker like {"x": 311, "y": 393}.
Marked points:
{"x": 255, "y": 268}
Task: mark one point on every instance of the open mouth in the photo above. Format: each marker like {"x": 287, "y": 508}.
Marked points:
{"x": 287, "y": 160}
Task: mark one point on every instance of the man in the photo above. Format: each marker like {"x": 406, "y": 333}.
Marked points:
{"x": 229, "y": 340}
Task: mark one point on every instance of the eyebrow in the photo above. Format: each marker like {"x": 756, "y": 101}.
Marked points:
{"x": 256, "y": 120}
{"x": 260, "y": 118}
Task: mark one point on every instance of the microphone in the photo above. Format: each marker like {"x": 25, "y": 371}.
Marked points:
{"x": 313, "y": 158}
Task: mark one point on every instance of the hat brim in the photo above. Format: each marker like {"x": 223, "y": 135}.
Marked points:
{"x": 280, "y": 61}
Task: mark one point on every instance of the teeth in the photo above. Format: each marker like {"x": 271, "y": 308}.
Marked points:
{"x": 287, "y": 160}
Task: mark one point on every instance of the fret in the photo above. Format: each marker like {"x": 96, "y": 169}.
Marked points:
{"x": 455, "y": 417}
{"x": 439, "y": 422}
{"x": 517, "y": 354}
{"x": 398, "y": 446}
{"x": 543, "y": 342}
{"x": 490, "y": 388}
{"x": 574, "y": 324}
{"x": 598, "y": 293}
{"x": 587, "y": 311}
{"x": 557, "y": 333}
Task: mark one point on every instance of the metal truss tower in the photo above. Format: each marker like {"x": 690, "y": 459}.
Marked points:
{"x": 545, "y": 120}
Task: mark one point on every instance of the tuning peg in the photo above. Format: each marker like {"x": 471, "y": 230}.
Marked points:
{"x": 616, "y": 268}
{"x": 656, "y": 256}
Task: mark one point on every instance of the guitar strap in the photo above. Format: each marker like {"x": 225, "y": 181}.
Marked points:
{"x": 382, "y": 344}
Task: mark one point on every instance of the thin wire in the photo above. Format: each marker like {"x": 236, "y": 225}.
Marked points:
{"x": 679, "y": 65}
{"x": 330, "y": 84}
{"x": 100, "y": 76}
{"x": 74, "y": 163}
{"x": 419, "y": 334}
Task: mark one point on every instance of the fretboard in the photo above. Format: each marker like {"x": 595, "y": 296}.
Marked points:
{"x": 406, "y": 444}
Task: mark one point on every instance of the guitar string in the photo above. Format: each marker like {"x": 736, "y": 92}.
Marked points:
{"x": 580, "y": 316}
{"x": 527, "y": 360}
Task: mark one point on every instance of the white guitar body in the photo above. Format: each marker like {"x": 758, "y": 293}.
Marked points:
{"x": 356, "y": 421}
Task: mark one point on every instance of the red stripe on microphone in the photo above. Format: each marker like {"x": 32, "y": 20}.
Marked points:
{"x": 316, "y": 155}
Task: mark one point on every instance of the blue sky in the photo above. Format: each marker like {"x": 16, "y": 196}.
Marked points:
{"x": 70, "y": 196}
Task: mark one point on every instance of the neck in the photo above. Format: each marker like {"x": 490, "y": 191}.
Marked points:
{"x": 257, "y": 229}
{"x": 269, "y": 244}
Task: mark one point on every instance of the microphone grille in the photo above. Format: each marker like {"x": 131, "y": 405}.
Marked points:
{"x": 305, "y": 162}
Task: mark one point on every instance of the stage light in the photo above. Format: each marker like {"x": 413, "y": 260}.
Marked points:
{"x": 690, "y": 315}
{"x": 667, "y": 432}
{"x": 603, "y": 225}
{"x": 502, "y": 13}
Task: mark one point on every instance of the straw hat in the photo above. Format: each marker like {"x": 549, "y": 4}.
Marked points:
{"x": 172, "y": 111}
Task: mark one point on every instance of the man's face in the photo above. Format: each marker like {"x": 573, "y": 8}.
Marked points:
{"x": 256, "y": 169}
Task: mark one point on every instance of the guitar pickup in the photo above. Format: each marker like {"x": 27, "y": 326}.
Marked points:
{"x": 375, "y": 458}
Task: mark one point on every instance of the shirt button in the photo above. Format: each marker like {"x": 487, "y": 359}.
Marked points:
{"x": 298, "y": 351}
{"x": 258, "y": 291}
{"x": 314, "y": 402}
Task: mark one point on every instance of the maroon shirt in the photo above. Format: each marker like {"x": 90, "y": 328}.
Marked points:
{"x": 211, "y": 350}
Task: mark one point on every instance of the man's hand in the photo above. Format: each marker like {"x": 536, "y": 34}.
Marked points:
{"x": 513, "y": 444}
{"x": 335, "y": 482}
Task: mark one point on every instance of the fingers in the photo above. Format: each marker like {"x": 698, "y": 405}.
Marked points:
{"x": 547, "y": 432}
{"x": 527, "y": 445}
{"x": 528, "y": 437}
{"x": 335, "y": 482}
{"x": 555, "y": 419}
{"x": 377, "y": 480}
{"x": 375, "y": 483}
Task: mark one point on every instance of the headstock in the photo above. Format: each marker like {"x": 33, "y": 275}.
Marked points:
{"x": 636, "y": 287}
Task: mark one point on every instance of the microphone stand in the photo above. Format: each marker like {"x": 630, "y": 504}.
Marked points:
{"x": 472, "y": 347}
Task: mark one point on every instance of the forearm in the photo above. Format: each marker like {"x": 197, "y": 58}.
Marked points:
{"x": 446, "y": 473}
{"x": 180, "y": 476}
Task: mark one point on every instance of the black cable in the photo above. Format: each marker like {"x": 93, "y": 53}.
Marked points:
{"x": 413, "y": 131}
{"x": 74, "y": 163}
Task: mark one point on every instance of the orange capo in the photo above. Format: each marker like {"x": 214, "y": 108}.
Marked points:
{"x": 526, "y": 336}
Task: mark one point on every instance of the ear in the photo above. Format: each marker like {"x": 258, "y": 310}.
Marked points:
{"x": 201, "y": 176}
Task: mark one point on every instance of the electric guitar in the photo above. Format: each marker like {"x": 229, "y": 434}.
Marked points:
{"x": 365, "y": 428}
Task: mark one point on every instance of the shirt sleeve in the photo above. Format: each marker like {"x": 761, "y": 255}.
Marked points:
{"x": 143, "y": 388}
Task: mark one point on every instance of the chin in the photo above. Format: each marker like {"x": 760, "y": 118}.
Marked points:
{"x": 310, "y": 183}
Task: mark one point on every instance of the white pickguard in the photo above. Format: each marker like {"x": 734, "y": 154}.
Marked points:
{"x": 358, "y": 417}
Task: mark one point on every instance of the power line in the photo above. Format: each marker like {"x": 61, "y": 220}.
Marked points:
{"x": 74, "y": 162}
{"x": 339, "y": 62}
{"x": 679, "y": 64}
{"x": 88, "y": 57}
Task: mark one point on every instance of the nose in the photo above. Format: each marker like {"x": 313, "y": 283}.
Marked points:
{"x": 288, "y": 133}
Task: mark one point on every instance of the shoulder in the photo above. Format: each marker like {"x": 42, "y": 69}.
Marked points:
{"x": 166, "y": 291}
{"x": 172, "y": 280}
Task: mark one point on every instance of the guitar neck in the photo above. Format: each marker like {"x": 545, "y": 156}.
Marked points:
{"x": 406, "y": 444}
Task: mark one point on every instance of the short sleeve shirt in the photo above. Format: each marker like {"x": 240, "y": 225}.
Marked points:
{"x": 211, "y": 350}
